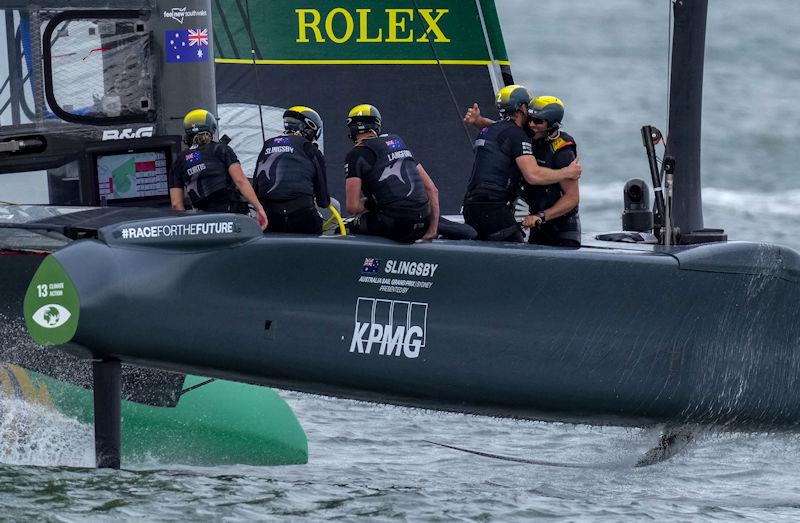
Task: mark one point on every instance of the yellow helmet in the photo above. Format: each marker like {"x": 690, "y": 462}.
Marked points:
{"x": 304, "y": 120}
{"x": 511, "y": 97}
{"x": 547, "y": 108}
{"x": 198, "y": 121}
{"x": 362, "y": 118}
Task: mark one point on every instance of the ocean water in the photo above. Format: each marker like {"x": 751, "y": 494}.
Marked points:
{"x": 608, "y": 62}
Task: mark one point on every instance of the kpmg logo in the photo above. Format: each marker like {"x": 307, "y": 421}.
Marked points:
{"x": 341, "y": 25}
{"x": 179, "y": 13}
{"x": 389, "y": 327}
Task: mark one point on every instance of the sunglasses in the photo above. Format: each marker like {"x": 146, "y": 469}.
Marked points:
{"x": 537, "y": 121}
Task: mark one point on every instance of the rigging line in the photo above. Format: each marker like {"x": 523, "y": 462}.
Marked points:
{"x": 224, "y": 19}
{"x": 249, "y": 27}
{"x": 197, "y": 386}
{"x": 492, "y": 64}
{"x": 444, "y": 77}
{"x": 255, "y": 67}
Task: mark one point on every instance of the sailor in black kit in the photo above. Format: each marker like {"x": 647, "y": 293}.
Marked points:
{"x": 210, "y": 172}
{"x": 504, "y": 157}
{"x": 290, "y": 175}
{"x": 401, "y": 201}
{"x": 553, "y": 218}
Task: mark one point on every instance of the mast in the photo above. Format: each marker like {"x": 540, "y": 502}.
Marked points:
{"x": 685, "y": 112}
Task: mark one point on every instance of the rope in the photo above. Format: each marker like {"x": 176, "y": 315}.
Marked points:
{"x": 444, "y": 77}
{"x": 492, "y": 70}
{"x": 255, "y": 67}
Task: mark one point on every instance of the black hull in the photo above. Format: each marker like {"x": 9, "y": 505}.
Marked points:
{"x": 703, "y": 334}
{"x": 142, "y": 385}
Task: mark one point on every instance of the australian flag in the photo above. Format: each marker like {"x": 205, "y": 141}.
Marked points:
{"x": 187, "y": 45}
{"x": 193, "y": 157}
{"x": 395, "y": 144}
{"x": 371, "y": 265}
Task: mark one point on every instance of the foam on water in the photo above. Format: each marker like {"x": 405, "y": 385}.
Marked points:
{"x": 608, "y": 62}
{"x": 32, "y": 434}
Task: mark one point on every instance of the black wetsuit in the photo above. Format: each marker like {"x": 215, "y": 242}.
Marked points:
{"x": 289, "y": 176}
{"x": 202, "y": 171}
{"x": 397, "y": 203}
{"x": 495, "y": 181}
{"x": 564, "y": 231}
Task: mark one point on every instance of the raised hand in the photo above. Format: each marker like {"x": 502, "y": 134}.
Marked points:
{"x": 473, "y": 115}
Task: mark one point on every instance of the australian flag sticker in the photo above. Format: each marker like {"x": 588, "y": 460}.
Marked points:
{"x": 395, "y": 144}
{"x": 193, "y": 157}
{"x": 371, "y": 265}
{"x": 187, "y": 45}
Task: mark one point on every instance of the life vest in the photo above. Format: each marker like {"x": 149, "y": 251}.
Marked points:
{"x": 542, "y": 197}
{"x": 495, "y": 175}
{"x": 283, "y": 170}
{"x": 204, "y": 174}
{"x": 393, "y": 180}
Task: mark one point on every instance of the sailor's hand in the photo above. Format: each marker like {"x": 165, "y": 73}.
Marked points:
{"x": 531, "y": 221}
{"x": 261, "y": 218}
{"x": 432, "y": 233}
{"x": 473, "y": 115}
{"x": 573, "y": 170}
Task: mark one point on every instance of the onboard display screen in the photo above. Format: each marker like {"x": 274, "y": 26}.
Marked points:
{"x": 141, "y": 174}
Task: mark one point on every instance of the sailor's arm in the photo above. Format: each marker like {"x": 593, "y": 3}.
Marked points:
{"x": 176, "y": 198}
{"x": 535, "y": 174}
{"x": 246, "y": 190}
{"x": 570, "y": 191}
{"x": 321, "y": 194}
{"x": 473, "y": 117}
{"x": 353, "y": 203}
{"x": 175, "y": 184}
{"x": 433, "y": 198}
{"x": 568, "y": 201}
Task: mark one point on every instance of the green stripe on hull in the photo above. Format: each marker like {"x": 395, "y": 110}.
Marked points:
{"x": 219, "y": 423}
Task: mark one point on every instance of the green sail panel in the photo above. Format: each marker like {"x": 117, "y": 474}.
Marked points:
{"x": 421, "y": 67}
{"x": 359, "y": 31}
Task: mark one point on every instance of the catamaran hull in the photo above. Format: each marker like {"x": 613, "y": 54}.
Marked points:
{"x": 702, "y": 334}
